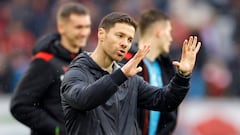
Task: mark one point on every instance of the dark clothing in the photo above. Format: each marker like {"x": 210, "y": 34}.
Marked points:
{"x": 98, "y": 103}
{"x": 36, "y": 101}
{"x": 168, "y": 120}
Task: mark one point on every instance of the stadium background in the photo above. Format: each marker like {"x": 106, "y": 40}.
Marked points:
{"x": 213, "y": 104}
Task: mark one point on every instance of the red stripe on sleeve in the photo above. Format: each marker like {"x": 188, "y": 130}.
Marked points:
{"x": 43, "y": 55}
{"x": 128, "y": 56}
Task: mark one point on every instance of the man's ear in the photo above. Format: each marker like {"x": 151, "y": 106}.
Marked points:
{"x": 60, "y": 27}
{"x": 101, "y": 33}
{"x": 158, "y": 32}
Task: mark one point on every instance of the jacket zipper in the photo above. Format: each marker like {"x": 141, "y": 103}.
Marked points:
{"x": 117, "y": 114}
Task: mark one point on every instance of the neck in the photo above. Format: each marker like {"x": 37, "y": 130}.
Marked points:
{"x": 68, "y": 46}
{"x": 154, "y": 52}
{"x": 102, "y": 59}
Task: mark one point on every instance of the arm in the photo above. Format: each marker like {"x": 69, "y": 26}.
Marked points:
{"x": 26, "y": 101}
{"x": 167, "y": 98}
{"x": 172, "y": 95}
{"x": 84, "y": 95}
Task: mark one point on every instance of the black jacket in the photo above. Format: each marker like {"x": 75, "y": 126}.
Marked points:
{"x": 98, "y": 103}
{"x": 168, "y": 120}
{"x": 36, "y": 101}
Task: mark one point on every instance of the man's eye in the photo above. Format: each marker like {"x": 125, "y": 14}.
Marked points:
{"x": 120, "y": 36}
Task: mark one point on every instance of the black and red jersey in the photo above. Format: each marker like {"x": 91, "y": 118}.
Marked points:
{"x": 36, "y": 100}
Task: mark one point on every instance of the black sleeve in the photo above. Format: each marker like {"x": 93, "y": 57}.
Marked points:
{"x": 82, "y": 95}
{"x": 167, "y": 98}
{"x": 25, "y": 104}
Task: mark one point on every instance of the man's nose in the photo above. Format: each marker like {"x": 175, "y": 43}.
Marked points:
{"x": 124, "y": 43}
{"x": 84, "y": 31}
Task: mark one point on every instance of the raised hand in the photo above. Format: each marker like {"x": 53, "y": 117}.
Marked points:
{"x": 189, "y": 52}
{"x": 131, "y": 67}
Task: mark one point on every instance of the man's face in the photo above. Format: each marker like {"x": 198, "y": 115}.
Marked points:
{"x": 76, "y": 30}
{"x": 117, "y": 41}
{"x": 165, "y": 37}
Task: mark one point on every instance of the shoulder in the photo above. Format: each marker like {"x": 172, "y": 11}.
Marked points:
{"x": 41, "y": 62}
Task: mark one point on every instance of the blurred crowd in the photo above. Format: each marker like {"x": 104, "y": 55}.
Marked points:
{"x": 216, "y": 22}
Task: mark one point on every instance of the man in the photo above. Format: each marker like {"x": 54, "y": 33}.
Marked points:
{"x": 155, "y": 29}
{"x": 101, "y": 97}
{"x": 36, "y": 102}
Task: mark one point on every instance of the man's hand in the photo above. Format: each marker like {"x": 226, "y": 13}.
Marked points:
{"x": 130, "y": 68}
{"x": 189, "y": 52}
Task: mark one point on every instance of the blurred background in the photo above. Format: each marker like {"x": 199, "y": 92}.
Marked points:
{"x": 212, "y": 105}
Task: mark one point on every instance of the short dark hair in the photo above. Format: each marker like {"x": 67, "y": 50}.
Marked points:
{"x": 111, "y": 19}
{"x": 66, "y": 9}
{"x": 149, "y": 17}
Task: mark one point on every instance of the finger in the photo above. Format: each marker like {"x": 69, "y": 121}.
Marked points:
{"x": 139, "y": 69}
{"x": 141, "y": 53}
{"x": 185, "y": 45}
{"x": 198, "y": 47}
{"x": 146, "y": 49}
{"x": 190, "y": 41}
{"x": 193, "y": 46}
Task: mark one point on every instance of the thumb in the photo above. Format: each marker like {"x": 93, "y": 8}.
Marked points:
{"x": 176, "y": 63}
{"x": 139, "y": 69}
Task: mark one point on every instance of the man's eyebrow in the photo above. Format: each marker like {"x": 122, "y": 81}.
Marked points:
{"x": 124, "y": 34}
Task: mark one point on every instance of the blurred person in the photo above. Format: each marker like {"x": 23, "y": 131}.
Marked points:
{"x": 155, "y": 29}
{"x": 100, "y": 96}
{"x": 41, "y": 9}
{"x": 218, "y": 77}
{"x": 36, "y": 102}
{"x": 6, "y": 75}
{"x": 19, "y": 62}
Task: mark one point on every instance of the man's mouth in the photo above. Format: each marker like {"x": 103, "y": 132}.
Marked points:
{"x": 121, "y": 53}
